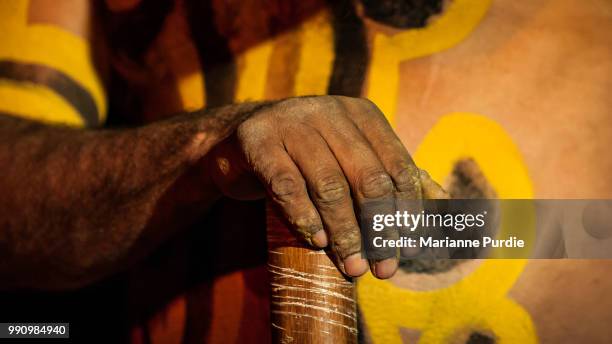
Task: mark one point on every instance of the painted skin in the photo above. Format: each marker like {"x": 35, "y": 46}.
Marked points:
{"x": 502, "y": 72}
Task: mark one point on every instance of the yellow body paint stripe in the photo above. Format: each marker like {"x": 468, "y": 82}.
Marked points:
{"x": 316, "y": 56}
{"x": 37, "y": 102}
{"x": 452, "y": 27}
{"x": 253, "y": 66}
{"x": 182, "y": 59}
{"x": 48, "y": 45}
{"x": 479, "y": 302}
{"x": 191, "y": 91}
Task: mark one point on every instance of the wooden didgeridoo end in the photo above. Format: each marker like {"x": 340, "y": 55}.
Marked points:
{"x": 311, "y": 301}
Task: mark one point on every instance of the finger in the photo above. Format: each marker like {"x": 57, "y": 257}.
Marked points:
{"x": 395, "y": 159}
{"x": 383, "y": 259}
{"x": 388, "y": 147}
{"x": 330, "y": 193}
{"x": 366, "y": 175}
{"x": 286, "y": 187}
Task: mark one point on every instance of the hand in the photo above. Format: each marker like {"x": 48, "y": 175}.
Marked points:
{"x": 317, "y": 158}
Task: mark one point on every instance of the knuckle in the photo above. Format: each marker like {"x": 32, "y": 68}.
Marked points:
{"x": 308, "y": 225}
{"x": 327, "y": 105}
{"x": 335, "y": 106}
{"x": 328, "y": 100}
{"x": 406, "y": 178}
{"x": 290, "y": 104}
{"x": 284, "y": 186}
{"x": 367, "y": 103}
{"x": 331, "y": 189}
{"x": 375, "y": 184}
{"x": 371, "y": 109}
{"x": 346, "y": 241}
{"x": 311, "y": 109}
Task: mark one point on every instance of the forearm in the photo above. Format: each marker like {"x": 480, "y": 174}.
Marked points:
{"x": 75, "y": 203}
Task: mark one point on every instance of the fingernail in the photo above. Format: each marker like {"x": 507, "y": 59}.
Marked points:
{"x": 319, "y": 239}
{"x": 355, "y": 265}
{"x": 385, "y": 268}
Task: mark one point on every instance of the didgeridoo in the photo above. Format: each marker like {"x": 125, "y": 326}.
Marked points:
{"x": 311, "y": 301}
